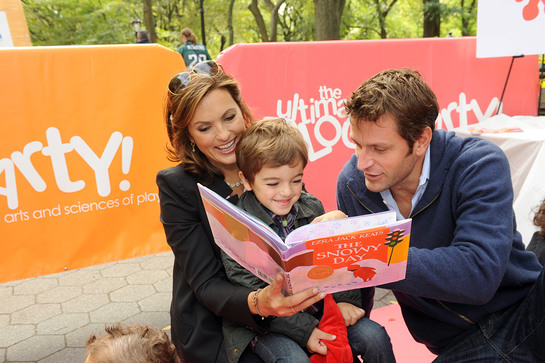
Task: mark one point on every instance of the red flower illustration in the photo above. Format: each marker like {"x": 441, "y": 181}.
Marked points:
{"x": 531, "y": 10}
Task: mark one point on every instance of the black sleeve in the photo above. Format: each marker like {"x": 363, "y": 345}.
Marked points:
{"x": 188, "y": 234}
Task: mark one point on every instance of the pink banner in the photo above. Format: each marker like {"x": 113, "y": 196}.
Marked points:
{"x": 308, "y": 82}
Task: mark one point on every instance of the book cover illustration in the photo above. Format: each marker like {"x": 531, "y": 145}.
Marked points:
{"x": 334, "y": 255}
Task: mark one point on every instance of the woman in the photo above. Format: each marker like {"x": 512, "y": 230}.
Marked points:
{"x": 192, "y": 51}
{"x": 205, "y": 116}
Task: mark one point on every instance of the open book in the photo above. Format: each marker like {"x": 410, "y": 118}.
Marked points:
{"x": 334, "y": 255}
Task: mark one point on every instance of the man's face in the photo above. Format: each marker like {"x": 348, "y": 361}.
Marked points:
{"x": 384, "y": 156}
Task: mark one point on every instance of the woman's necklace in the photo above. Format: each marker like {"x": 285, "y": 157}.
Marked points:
{"x": 233, "y": 185}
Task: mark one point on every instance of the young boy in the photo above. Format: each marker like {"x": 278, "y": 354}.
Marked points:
{"x": 133, "y": 343}
{"x": 537, "y": 243}
{"x": 271, "y": 156}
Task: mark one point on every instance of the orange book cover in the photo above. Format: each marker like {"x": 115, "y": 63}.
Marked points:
{"x": 335, "y": 255}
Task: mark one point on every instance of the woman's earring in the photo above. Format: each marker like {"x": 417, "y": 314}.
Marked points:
{"x": 193, "y": 146}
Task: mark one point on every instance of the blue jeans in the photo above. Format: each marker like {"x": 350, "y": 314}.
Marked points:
{"x": 370, "y": 340}
{"x": 246, "y": 357}
{"x": 514, "y": 335}
{"x": 366, "y": 338}
{"x": 275, "y": 347}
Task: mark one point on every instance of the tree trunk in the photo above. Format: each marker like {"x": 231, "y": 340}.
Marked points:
{"x": 432, "y": 18}
{"x": 328, "y": 15}
{"x": 273, "y": 8}
{"x": 382, "y": 12}
{"x": 465, "y": 16}
{"x": 259, "y": 20}
{"x": 149, "y": 21}
{"x": 230, "y": 23}
{"x": 274, "y": 18}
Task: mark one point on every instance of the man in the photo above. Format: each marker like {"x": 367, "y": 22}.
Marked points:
{"x": 471, "y": 290}
{"x": 142, "y": 37}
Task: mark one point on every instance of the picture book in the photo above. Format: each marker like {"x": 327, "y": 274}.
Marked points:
{"x": 334, "y": 255}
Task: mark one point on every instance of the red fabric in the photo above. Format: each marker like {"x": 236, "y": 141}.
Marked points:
{"x": 338, "y": 350}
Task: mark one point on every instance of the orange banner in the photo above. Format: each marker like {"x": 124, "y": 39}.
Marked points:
{"x": 82, "y": 140}
{"x": 83, "y": 136}
{"x": 16, "y": 22}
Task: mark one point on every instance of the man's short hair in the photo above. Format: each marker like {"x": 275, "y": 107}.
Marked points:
{"x": 400, "y": 93}
{"x": 271, "y": 143}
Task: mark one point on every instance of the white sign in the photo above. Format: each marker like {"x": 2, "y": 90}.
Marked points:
{"x": 5, "y": 34}
{"x": 510, "y": 28}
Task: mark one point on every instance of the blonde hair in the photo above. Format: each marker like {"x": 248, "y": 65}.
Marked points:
{"x": 181, "y": 109}
{"x": 271, "y": 143}
{"x": 131, "y": 344}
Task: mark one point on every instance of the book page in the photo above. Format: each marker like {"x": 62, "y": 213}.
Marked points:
{"x": 366, "y": 257}
{"x": 339, "y": 226}
{"x": 336, "y": 255}
{"x": 242, "y": 217}
{"x": 243, "y": 237}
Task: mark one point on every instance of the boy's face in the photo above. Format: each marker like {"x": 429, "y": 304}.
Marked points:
{"x": 277, "y": 188}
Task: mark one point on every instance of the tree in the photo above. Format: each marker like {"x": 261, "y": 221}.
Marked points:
{"x": 71, "y": 22}
{"x": 372, "y": 19}
{"x": 458, "y": 17}
{"x": 67, "y": 22}
{"x": 328, "y": 15}
{"x": 296, "y": 20}
{"x": 432, "y": 18}
{"x": 149, "y": 20}
{"x": 467, "y": 16}
{"x": 230, "y": 22}
{"x": 273, "y": 9}
{"x": 382, "y": 11}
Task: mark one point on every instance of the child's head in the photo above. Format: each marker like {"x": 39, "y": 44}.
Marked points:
{"x": 131, "y": 344}
{"x": 539, "y": 218}
{"x": 271, "y": 156}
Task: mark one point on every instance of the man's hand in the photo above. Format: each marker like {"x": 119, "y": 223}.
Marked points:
{"x": 336, "y": 214}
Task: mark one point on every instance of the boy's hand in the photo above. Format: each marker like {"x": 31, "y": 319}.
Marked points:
{"x": 351, "y": 313}
{"x": 315, "y": 344}
{"x": 336, "y": 214}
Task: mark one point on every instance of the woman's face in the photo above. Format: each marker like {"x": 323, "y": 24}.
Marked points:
{"x": 216, "y": 127}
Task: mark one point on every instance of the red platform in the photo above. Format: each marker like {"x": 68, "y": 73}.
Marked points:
{"x": 406, "y": 349}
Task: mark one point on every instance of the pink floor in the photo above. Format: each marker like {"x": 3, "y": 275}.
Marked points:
{"x": 406, "y": 349}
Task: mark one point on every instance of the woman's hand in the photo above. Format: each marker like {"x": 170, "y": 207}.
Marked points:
{"x": 271, "y": 300}
{"x": 351, "y": 313}
{"x": 336, "y": 214}
{"x": 315, "y": 344}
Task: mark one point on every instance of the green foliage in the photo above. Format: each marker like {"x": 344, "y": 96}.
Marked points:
{"x": 72, "y": 22}
{"x": 172, "y": 16}
{"x": 69, "y": 22}
{"x": 361, "y": 21}
{"x": 452, "y": 19}
{"x": 296, "y": 20}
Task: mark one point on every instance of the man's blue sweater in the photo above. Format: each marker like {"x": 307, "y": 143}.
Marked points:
{"x": 466, "y": 258}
